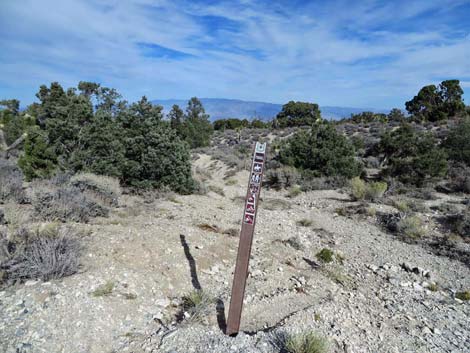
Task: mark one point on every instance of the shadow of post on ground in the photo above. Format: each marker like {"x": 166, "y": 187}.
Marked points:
{"x": 220, "y": 306}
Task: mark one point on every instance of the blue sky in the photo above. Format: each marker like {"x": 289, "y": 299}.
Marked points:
{"x": 365, "y": 53}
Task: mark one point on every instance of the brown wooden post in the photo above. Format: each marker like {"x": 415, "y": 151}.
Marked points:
{"x": 246, "y": 239}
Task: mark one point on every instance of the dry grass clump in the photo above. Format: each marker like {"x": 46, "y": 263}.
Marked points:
{"x": 304, "y": 222}
{"x": 305, "y": 342}
{"x": 282, "y": 177}
{"x": 458, "y": 223}
{"x": 217, "y": 189}
{"x": 105, "y": 188}
{"x": 276, "y": 204}
{"x": 67, "y": 204}
{"x": 196, "y": 305}
{"x": 294, "y": 191}
{"x": 411, "y": 227}
{"x": 463, "y": 295}
{"x": 209, "y": 227}
{"x": 49, "y": 253}
{"x": 231, "y": 182}
{"x": 11, "y": 183}
{"x": 104, "y": 290}
{"x": 361, "y": 190}
{"x": 233, "y": 232}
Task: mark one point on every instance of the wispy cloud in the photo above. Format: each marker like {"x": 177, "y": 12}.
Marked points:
{"x": 364, "y": 53}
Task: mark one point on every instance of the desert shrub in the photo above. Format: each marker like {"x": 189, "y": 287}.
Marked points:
{"x": 458, "y": 178}
{"x": 283, "y": 177}
{"x": 197, "y": 305}
{"x": 11, "y": 183}
{"x": 200, "y": 188}
{"x": 375, "y": 190}
{"x": 325, "y": 255}
{"x": 457, "y": 143}
{"x": 105, "y": 188}
{"x": 411, "y": 227}
{"x": 361, "y": 190}
{"x": 321, "y": 150}
{"x": 458, "y": 223}
{"x": 306, "y": 342}
{"x": 304, "y": 222}
{"x": 42, "y": 256}
{"x": 155, "y": 157}
{"x": 294, "y": 191}
{"x": 463, "y": 295}
{"x": 413, "y": 157}
{"x": 104, "y": 289}
{"x": 309, "y": 182}
{"x": 217, "y": 189}
{"x": 67, "y": 204}
{"x": 358, "y": 188}
{"x": 276, "y": 204}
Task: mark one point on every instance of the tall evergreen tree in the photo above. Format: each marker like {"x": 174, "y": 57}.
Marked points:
{"x": 197, "y": 129}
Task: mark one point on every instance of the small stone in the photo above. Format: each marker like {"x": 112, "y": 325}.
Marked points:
{"x": 436, "y": 331}
{"x": 426, "y": 330}
{"x": 31, "y": 283}
{"x": 280, "y": 269}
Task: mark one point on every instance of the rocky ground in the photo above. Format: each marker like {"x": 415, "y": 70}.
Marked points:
{"x": 139, "y": 262}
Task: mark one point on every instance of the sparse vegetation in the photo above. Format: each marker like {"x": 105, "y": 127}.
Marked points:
{"x": 41, "y": 255}
{"x": 411, "y": 227}
{"x": 67, "y": 204}
{"x": 104, "y": 290}
{"x": 217, "y": 189}
{"x": 197, "y": 305}
{"x": 294, "y": 191}
{"x": 361, "y": 190}
{"x": 304, "y": 222}
{"x": 325, "y": 255}
{"x": 105, "y": 188}
{"x": 11, "y": 183}
{"x": 463, "y": 295}
{"x": 305, "y": 342}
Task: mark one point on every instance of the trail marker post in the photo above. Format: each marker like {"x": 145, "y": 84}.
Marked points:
{"x": 246, "y": 239}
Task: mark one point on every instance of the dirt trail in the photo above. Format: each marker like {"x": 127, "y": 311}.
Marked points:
{"x": 156, "y": 251}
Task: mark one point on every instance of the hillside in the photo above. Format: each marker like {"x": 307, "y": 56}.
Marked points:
{"x": 221, "y": 108}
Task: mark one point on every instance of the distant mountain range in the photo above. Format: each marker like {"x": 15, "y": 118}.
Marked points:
{"x": 222, "y": 108}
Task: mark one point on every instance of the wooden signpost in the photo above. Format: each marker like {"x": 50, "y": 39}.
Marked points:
{"x": 246, "y": 239}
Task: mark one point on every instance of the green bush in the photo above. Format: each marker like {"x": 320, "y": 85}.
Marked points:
{"x": 129, "y": 142}
{"x": 361, "y": 190}
{"x": 321, "y": 150}
{"x": 297, "y": 114}
{"x": 463, "y": 295}
{"x": 325, "y": 255}
{"x": 358, "y": 188}
{"x": 457, "y": 143}
{"x": 38, "y": 159}
{"x": 413, "y": 157}
{"x": 375, "y": 190}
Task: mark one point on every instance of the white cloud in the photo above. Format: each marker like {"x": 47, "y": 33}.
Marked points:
{"x": 337, "y": 53}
